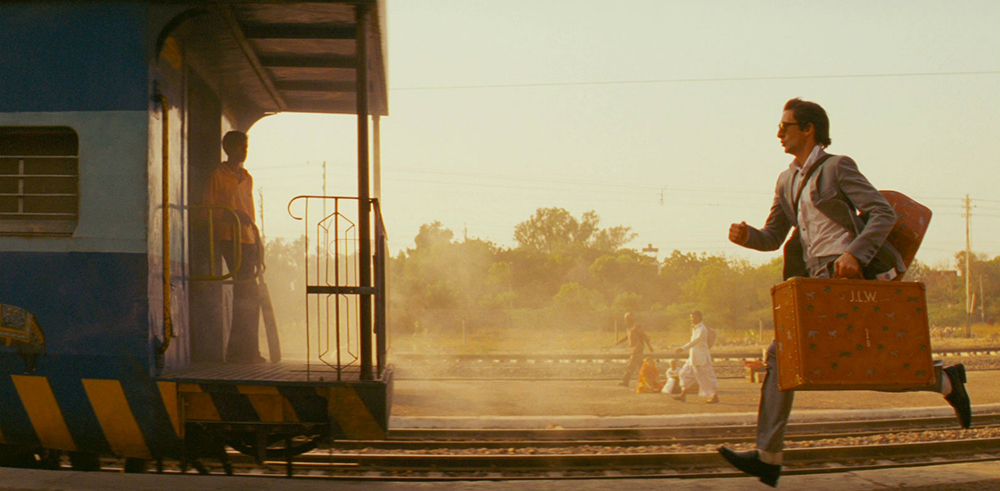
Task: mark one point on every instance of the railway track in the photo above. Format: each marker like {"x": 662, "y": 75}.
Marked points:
{"x": 598, "y": 357}
{"x": 455, "y": 439}
{"x": 600, "y": 453}
{"x": 602, "y": 365}
{"x": 436, "y": 455}
{"x": 646, "y": 464}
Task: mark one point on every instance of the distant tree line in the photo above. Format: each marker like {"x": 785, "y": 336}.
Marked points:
{"x": 567, "y": 272}
{"x": 570, "y": 273}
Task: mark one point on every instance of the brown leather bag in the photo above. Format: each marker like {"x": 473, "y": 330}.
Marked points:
{"x": 912, "y": 219}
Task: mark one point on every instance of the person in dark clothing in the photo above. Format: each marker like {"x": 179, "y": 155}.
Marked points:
{"x": 637, "y": 341}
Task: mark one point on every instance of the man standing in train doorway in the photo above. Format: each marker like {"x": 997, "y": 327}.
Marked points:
{"x": 841, "y": 226}
{"x": 231, "y": 186}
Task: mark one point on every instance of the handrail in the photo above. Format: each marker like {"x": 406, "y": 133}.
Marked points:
{"x": 237, "y": 250}
{"x": 380, "y": 279}
{"x": 307, "y": 197}
{"x": 168, "y": 319}
{"x": 337, "y": 289}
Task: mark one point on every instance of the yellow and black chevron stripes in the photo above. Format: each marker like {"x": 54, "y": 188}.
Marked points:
{"x": 235, "y": 403}
{"x": 195, "y": 404}
{"x": 168, "y": 392}
{"x": 144, "y": 421}
{"x": 106, "y": 397}
{"x": 356, "y": 421}
{"x": 341, "y": 405}
{"x": 269, "y": 404}
{"x": 43, "y": 411}
{"x": 116, "y": 418}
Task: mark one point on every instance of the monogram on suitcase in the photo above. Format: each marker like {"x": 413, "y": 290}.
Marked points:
{"x": 836, "y": 334}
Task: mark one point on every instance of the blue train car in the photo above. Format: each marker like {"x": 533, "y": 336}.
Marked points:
{"x": 111, "y": 117}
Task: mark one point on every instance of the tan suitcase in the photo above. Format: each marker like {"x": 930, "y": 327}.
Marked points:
{"x": 835, "y": 334}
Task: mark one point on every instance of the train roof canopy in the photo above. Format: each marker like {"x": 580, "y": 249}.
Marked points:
{"x": 280, "y": 56}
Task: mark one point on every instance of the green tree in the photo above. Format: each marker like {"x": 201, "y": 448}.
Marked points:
{"x": 733, "y": 290}
{"x": 441, "y": 275}
{"x": 285, "y": 277}
{"x": 500, "y": 281}
{"x": 554, "y": 230}
{"x": 431, "y": 238}
{"x": 555, "y": 248}
{"x": 627, "y": 302}
{"x": 984, "y": 286}
{"x": 574, "y": 297}
{"x": 535, "y": 276}
{"x": 675, "y": 271}
{"x": 549, "y": 230}
{"x": 625, "y": 272}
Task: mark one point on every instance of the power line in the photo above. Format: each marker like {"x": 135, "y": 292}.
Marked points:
{"x": 699, "y": 80}
{"x": 580, "y": 182}
{"x": 937, "y": 198}
{"x": 279, "y": 166}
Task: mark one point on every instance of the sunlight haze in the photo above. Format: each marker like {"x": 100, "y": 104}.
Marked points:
{"x": 658, "y": 115}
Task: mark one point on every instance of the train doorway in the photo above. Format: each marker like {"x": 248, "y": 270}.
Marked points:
{"x": 209, "y": 298}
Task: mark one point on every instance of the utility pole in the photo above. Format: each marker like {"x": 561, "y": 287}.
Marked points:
{"x": 982, "y": 300}
{"x": 968, "y": 261}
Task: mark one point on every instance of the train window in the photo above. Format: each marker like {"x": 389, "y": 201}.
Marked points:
{"x": 39, "y": 180}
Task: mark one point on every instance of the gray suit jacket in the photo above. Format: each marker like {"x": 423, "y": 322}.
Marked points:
{"x": 841, "y": 192}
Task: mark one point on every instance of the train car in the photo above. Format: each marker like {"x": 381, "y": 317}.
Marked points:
{"x": 112, "y": 303}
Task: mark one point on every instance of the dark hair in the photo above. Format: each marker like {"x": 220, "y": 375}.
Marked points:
{"x": 232, "y": 138}
{"x": 812, "y": 114}
{"x": 696, "y": 313}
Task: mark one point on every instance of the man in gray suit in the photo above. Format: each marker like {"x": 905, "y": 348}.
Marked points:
{"x": 841, "y": 224}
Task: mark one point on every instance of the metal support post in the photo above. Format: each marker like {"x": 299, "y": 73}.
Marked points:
{"x": 362, "y": 16}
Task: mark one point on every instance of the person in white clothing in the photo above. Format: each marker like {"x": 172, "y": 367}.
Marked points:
{"x": 673, "y": 385}
{"x": 698, "y": 367}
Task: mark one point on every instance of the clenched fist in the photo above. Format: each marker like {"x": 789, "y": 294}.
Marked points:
{"x": 739, "y": 233}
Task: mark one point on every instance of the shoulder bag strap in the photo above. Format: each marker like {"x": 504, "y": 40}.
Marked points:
{"x": 805, "y": 181}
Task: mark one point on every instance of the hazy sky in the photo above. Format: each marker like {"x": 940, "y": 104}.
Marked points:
{"x": 659, "y": 115}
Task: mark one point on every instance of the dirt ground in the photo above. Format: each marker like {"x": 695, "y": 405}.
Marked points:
{"x": 421, "y": 398}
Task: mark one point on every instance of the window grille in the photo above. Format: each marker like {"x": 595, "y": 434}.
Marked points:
{"x": 39, "y": 180}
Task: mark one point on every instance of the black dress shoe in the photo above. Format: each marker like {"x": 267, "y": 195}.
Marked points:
{"x": 750, "y": 463}
{"x": 959, "y": 398}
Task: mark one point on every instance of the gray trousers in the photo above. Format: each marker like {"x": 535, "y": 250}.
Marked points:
{"x": 776, "y": 405}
